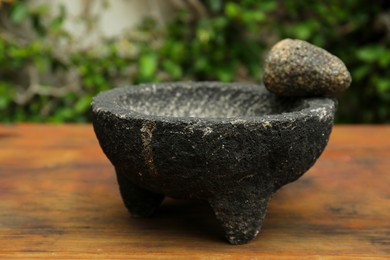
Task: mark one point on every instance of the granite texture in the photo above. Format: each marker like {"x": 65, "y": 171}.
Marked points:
{"x": 298, "y": 68}
{"x": 232, "y": 145}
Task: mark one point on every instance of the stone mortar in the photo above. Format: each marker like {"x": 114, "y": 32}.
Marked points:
{"x": 233, "y": 145}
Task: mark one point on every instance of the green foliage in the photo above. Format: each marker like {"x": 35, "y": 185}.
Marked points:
{"x": 44, "y": 78}
{"x": 357, "y": 32}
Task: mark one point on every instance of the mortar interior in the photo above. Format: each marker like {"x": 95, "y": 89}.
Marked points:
{"x": 206, "y": 101}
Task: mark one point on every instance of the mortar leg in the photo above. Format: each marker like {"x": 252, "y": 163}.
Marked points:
{"x": 138, "y": 201}
{"x": 240, "y": 215}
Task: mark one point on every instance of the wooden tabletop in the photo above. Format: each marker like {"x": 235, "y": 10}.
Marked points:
{"x": 59, "y": 198}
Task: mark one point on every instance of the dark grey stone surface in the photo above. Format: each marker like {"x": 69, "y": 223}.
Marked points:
{"x": 298, "y": 68}
{"x": 233, "y": 145}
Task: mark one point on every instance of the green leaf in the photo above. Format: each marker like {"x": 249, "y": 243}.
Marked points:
{"x": 268, "y": 6}
{"x": 200, "y": 63}
{"x": 366, "y": 54}
{"x": 259, "y": 16}
{"x": 147, "y": 65}
{"x": 373, "y": 54}
{"x": 384, "y": 59}
{"x": 361, "y": 72}
{"x": 302, "y": 31}
{"x": 215, "y": 5}
{"x": 42, "y": 9}
{"x": 172, "y": 68}
{"x": 232, "y": 9}
{"x": 383, "y": 86}
{"x": 83, "y": 104}
{"x": 57, "y": 23}
{"x": 224, "y": 75}
{"x": 5, "y": 95}
{"x": 19, "y": 12}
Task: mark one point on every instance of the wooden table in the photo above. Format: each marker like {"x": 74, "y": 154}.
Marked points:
{"x": 59, "y": 199}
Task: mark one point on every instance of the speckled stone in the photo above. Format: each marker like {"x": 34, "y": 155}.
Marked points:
{"x": 298, "y": 68}
{"x": 233, "y": 145}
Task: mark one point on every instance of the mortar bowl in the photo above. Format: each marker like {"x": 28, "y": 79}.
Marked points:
{"x": 233, "y": 145}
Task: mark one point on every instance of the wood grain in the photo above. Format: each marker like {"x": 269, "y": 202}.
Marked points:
{"x": 59, "y": 199}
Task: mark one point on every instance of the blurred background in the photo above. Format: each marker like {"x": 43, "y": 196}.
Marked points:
{"x": 56, "y": 55}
